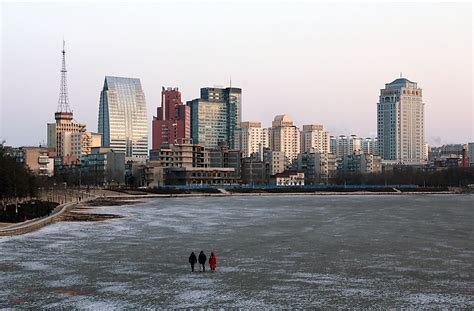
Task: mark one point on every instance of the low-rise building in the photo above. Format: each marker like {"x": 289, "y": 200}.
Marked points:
{"x": 200, "y": 176}
{"x": 184, "y": 154}
{"x": 188, "y": 164}
{"x": 37, "y": 159}
{"x": 448, "y": 161}
{"x": 153, "y": 175}
{"x": 317, "y": 167}
{"x": 103, "y": 166}
{"x": 445, "y": 151}
{"x": 275, "y": 159}
{"x": 289, "y": 178}
{"x": 224, "y": 157}
{"x": 370, "y": 164}
{"x": 360, "y": 163}
{"x": 255, "y": 172}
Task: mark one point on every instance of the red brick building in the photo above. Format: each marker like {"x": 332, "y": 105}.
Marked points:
{"x": 173, "y": 120}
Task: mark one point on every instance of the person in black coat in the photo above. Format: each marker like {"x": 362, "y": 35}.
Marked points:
{"x": 192, "y": 261}
{"x": 202, "y": 260}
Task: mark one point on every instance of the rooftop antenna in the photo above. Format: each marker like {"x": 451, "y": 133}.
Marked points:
{"x": 63, "y": 102}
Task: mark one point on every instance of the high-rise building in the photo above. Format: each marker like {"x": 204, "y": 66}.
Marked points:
{"x": 123, "y": 118}
{"x": 172, "y": 124}
{"x": 285, "y": 137}
{"x": 83, "y": 142}
{"x": 426, "y": 152}
{"x": 314, "y": 137}
{"x": 470, "y": 153}
{"x": 370, "y": 146}
{"x": 215, "y": 116}
{"x": 345, "y": 145}
{"x": 251, "y": 138}
{"x": 51, "y": 135}
{"x": 400, "y": 122}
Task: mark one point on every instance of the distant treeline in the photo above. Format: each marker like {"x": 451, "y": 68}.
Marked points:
{"x": 334, "y": 188}
{"x": 16, "y": 180}
{"x": 450, "y": 177}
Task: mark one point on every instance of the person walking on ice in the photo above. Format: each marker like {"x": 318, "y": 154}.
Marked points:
{"x": 213, "y": 262}
{"x": 192, "y": 261}
{"x": 202, "y": 260}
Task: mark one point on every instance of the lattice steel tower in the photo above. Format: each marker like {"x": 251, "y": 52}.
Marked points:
{"x": 63, "y": 103}
{"x": 68, "y": 134}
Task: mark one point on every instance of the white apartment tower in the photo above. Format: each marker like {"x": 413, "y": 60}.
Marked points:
{"x": 345, "y": 145}
{"x": 400, "y": 122}
{"x": 314, "y": 137}
{"x": 370, "y": 146}
{"x": 251, "y": 138}
{"x": 285, "y": 137}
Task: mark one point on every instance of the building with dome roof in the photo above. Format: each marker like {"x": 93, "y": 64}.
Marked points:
{"x": 400, "y": 122}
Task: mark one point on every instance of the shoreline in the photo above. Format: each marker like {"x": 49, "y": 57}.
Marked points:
{"x": 230, "y": 194}
{"x": 38, "y": 223}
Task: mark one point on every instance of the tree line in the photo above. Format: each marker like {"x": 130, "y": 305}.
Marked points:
{"x": 449, "y": 177}
{"x": 16, "y": 180}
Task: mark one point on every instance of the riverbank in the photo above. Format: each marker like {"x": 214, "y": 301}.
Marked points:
{"x": 79, "y": 211}
{"x": 206, "y": 192}
{"x": 37, "y": 223}
{"x": 27, "y": 210}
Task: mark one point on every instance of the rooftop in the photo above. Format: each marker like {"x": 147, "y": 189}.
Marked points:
{"x": 401, "y": 81}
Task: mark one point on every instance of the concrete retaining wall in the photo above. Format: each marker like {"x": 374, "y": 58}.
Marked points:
{"x": 35, "y": 224}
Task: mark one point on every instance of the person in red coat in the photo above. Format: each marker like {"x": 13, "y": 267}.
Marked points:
{"x": 213, "y": 262}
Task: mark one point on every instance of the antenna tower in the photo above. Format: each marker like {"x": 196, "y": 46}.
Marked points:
{"x": 63, "y": 103}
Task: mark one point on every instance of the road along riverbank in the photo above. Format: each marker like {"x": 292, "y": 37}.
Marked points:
{"x": 37, "y": 223}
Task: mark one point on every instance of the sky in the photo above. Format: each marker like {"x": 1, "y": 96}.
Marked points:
{"x": 320, "y": 63}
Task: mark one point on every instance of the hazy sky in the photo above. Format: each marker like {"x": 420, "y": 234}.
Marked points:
{"x": 321, "y": 63}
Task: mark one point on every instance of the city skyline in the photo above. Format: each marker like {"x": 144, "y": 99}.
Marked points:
{"x": 302, "y": 88}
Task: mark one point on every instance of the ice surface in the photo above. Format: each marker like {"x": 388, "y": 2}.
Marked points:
{"x": 411, "y": 251}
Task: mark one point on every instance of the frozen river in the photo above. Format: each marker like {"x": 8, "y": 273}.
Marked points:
{"x": 279, "y": 251}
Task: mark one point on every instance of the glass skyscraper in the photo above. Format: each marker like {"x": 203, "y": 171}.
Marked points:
{"x": 123, "y": 118}
{"x": 215, "y": 116}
